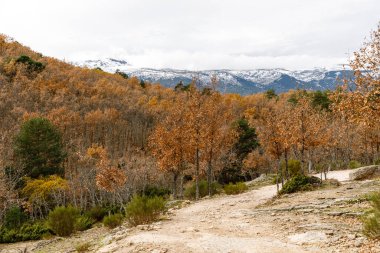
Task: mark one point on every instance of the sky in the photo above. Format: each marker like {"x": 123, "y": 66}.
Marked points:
{"x": 195, "y": 34}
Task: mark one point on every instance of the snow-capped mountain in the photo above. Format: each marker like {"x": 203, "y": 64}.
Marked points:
{"x": 231, "y": 81}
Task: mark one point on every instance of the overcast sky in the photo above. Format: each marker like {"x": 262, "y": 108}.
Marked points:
{"x": 194, "y": 34}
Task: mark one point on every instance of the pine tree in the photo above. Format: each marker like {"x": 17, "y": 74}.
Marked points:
{"x": 38, "y": 146}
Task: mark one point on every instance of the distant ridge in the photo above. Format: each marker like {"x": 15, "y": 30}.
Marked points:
{"x": 243, "y": 82}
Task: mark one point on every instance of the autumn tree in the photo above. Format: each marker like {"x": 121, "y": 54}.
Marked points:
{"x": 258, "y": 161}
{"x": 209, "y": 131}
{"x": 170, "y": 143}
{"x": 217, "y": 132}
{"x": 270, "y": 135}
{"x": 309, "y": 129}
{"x": 358, "y": 100}
{"x": 43, "y": 194}
{"x": 108, "y": 176}
{"x": 194, "y": 119}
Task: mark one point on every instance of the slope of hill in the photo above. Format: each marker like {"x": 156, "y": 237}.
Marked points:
{"x": 243, "y": 82}
{"x": 88, "y": 107}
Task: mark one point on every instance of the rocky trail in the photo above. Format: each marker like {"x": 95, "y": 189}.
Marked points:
{"x": 325, "y": 220}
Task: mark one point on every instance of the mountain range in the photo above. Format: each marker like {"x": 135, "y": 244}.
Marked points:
{"x": 243, "y": 82}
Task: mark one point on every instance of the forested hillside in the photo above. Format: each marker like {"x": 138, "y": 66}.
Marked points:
{"x": 72, "y": 136}
{"x": 89, "y": 107}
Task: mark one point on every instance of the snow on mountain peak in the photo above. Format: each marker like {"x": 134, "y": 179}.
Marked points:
{"x": 108, "y": 64}
{"x": 237, "y": 81}
{"x": 307, "y": 75}
{"x": 262, "y": 76}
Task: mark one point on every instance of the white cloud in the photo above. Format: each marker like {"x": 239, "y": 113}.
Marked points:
{"x": 196, "y": 34}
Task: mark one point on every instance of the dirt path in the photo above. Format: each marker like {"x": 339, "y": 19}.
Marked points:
{"x": 340, "y": 175}
{"x": 222, "y": 224}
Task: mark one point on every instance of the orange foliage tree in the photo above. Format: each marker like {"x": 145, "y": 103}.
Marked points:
{"x": 170, "y": 142}
{"x": 108, "y": 177}
{"x": 361, "y": 102}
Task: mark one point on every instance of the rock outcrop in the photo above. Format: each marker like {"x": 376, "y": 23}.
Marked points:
{"x": 365, "y": 172}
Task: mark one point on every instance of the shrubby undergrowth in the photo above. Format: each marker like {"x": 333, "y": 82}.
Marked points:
{"x": 203, "y": 189}
{"x": 237, "y": 188}
{"x": 97, "y": 213}
{"x": 113, "y": 220}
{"x": 17, "y": 227}
{"x": 144, "y": 209}
{"x": 14, "y": 217}
{"x": 353, "y": 164}
{"x": 152, "y": 191}
{"x": 371, "y": 219}
{"x": 28, "y": 231}
{"x": 294, "y": 168}
{"x": 83, "y": 223}
{"x": 62, "y": 220}
{"x": 300, "y": 183}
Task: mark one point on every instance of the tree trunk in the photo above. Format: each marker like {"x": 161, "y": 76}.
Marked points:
{"x": 197, "y": 175}
{"x": 282, "y": 176}
{"x": 175, "y": 177}
{"x": 303, "y": 161}
{"x": 209, "y": 178}
{"x": 286, "y": 165}
{"x": 181, "y": 187}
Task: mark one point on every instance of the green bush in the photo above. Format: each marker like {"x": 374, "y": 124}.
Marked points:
{"x": 144, "y": 209}
{"x": 33, "y": 231}
{"x": 232, "y": 189}
{"x": 14, "y": 217}
{"x": 152, "y": 191}
{"x": 32, "y": 66}
{"x": 371, "y": 219}
{"x": 122, "y": 74}
{"x": 320, "y": 100}
{"x": 294, "y": 167}
{"x": 97, "y": 213}
{"x": 9, "y": 235}
{"x": 274, "y": 179}
{"x": 112, "y": 221}
{"x": 83, "y": 223}
{"x": 354, "y": 164}
{"x": 203, "y": 189}
{"x": 271, "y": 93}
{"x": 300, "y": 183}
{"x": 62, "y": 220}
{"x": 28, "y": 231}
